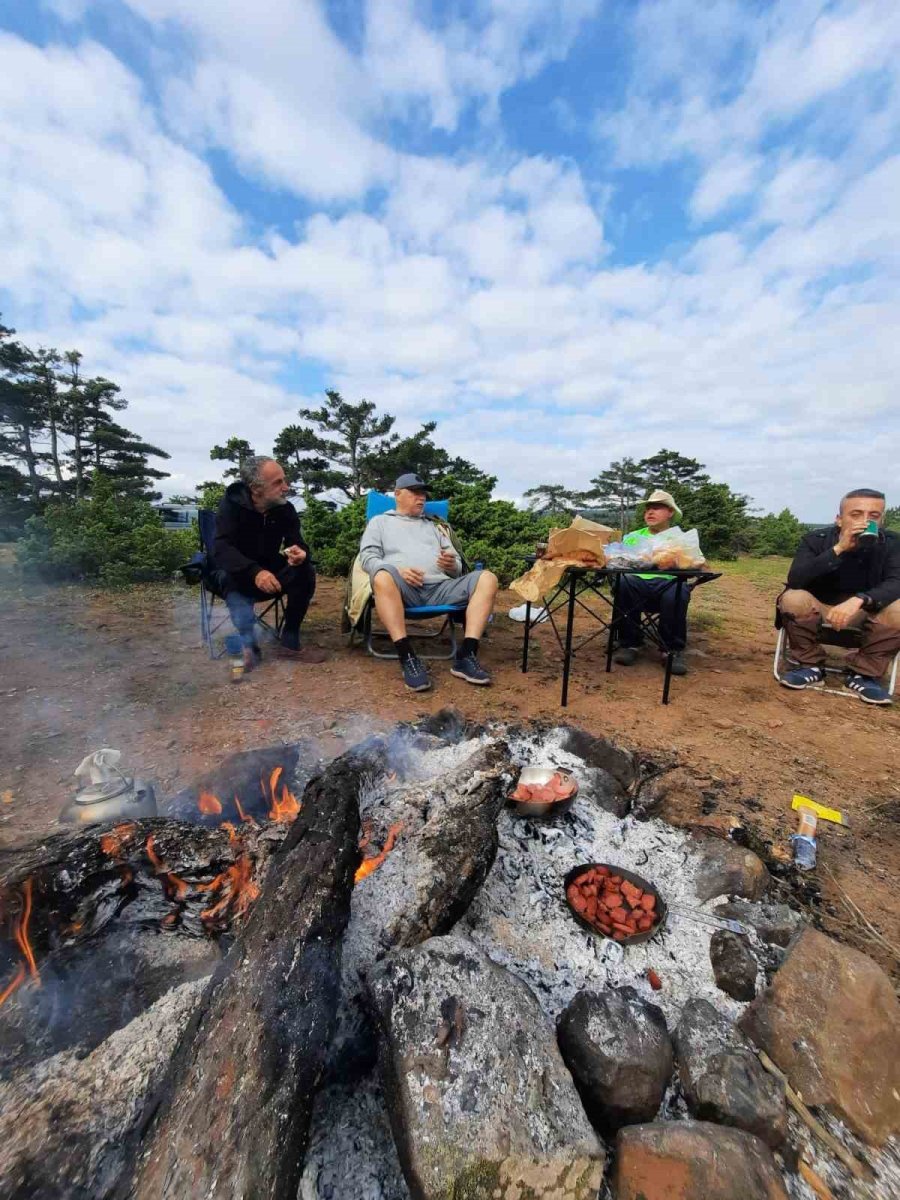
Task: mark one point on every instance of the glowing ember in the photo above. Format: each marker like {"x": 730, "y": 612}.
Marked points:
{"x": 113, "y": 843}
{"x": 368, "y": 865}
{"x": 284, "y": 805}
{"x": 209, "y": 804}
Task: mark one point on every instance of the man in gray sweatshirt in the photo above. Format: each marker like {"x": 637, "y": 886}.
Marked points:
{"x": 412, "y": 562}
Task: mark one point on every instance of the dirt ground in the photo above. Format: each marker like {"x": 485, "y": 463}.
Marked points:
{"x": 83, "y": 669}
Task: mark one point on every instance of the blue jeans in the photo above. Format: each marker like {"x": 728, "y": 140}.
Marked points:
{"x": 298, "y": 585}
{"x": 652, "y": 596}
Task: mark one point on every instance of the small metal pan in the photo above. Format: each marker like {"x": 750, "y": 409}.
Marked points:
{"x": 662, "y": 910}
{"x": 543, "y": 808}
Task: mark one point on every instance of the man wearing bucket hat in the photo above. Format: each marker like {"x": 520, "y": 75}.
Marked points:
{"x": 653, "y": 593}
{"x": 411, "y": 561}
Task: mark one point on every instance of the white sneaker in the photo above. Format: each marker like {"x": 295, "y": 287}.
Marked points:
{"x": 537, "y": 614}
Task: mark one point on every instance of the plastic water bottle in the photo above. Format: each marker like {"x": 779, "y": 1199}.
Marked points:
{"x": 805, "y": 840}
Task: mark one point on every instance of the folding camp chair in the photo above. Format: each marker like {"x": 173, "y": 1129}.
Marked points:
{"x": 453, "y": 614}
{"x": 849, "y": 639}
{"x": 202, "y": 570}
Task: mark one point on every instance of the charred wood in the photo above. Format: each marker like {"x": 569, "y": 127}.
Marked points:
{"x": 232, "y": 1117}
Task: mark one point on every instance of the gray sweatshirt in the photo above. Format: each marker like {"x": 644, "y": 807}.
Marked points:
{"x": 391, "y": 540}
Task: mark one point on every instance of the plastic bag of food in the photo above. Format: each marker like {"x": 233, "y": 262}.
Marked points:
{"x": 634, "y": 554}
{"x": 676, "y": 549}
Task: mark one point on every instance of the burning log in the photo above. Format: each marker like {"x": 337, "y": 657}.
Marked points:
{"x": 232, "y": 1118}
{"x": 239, "y": 788}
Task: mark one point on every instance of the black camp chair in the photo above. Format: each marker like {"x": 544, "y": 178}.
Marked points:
{"x": 212, "y": 619}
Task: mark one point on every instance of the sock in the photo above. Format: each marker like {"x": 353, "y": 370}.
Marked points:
{"x": 403, "y": 648}
{"x": 469, "y": 646}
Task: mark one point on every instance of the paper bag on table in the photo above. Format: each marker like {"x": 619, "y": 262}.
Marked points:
{"x": 581, "y": 545}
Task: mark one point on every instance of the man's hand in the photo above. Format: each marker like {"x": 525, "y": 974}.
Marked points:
{"x": 446, "y": 560}
{"x": 295, "y": 555}
{"x": 412, "y": 575}
{"x": 266, "y": 582}
{"x": 842, "y": 614}
{"x": 849, "y": 539}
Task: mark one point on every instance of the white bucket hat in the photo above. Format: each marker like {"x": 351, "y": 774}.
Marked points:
{"x": 658, "y": 496}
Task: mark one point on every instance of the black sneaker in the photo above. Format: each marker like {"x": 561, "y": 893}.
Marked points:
{"x": 626, "y": 656}
{"x": 467, "y": 667}
{"x": 415, "y": 674}
{"x": 869, "y": 690}
{"x": 679, "y": 666}
{"x": 803, "y": 677}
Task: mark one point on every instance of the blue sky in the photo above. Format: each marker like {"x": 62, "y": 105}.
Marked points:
{"x": 567, "y": 232}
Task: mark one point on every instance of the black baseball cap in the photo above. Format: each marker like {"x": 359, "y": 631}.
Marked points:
{"x": 412, "y": 481}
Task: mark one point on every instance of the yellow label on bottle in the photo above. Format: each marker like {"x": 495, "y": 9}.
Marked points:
{"x": 823, "y": 813}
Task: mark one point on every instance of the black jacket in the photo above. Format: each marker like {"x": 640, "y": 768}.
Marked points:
{"x": 833, "y": 577}
{"x": 248, "y": 541}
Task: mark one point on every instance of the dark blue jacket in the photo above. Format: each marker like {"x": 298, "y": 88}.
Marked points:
{"x": 248, "y": 541}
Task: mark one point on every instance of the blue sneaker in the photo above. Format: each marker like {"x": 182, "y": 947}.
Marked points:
{"x": 468, "y": 667}
{"x": 804, "y": 677}
{"x": 869, "y": 690}
{"x": 415, "y": 674}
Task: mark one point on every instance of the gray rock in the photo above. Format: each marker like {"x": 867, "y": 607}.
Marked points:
{"x": 831, "y": 1022}
{"x": 776, "y": 924}
{"x": 480, "y": 1102}
{"x": 726, "y": 869}
{"x": 618, "y": 1049}
{"x": 734, "y": 964}
{"x": 600, "y": 752}
{"x": 604, "y": 790}
{"x": 691, "y": 1160}
{"x": 722, "y": 1078}
{"x": 677, "y": 786}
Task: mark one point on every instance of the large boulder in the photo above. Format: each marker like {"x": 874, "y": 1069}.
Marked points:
{"x": 726, "y": 869}
{"x": 734, "y": 964}
{"x": 831, "y": 1021}
{"x": 480, "y": 1102}
{"x": 618, "y": 1049}
{"x": 676, "y": 789}
{"x": 690, "y": 1160}
{"x": 722, "y": 1078}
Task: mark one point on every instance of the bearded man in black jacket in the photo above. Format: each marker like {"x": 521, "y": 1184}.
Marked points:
{"x": 848, "y": 575}
{"x": 259, "y": 553}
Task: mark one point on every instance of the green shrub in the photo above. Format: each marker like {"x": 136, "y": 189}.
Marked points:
{"x": 111, "y": 539}
{"x": 773, "y": 534}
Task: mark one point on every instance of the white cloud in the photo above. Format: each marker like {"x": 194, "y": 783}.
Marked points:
{"x": 480, "y": 291}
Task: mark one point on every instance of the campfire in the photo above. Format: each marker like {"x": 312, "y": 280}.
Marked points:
{"x": 401, "y": 897}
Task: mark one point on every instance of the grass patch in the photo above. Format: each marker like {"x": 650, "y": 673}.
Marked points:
{"x": 765, "y": 574}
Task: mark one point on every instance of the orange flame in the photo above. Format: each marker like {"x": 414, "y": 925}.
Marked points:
{"x": 368, "y": 865}
{"x": 241, "y": 813}
{"x": 209, "y": 804}
{"x": 284, "y": 806}
{"x": 175, "y": 888}
{"x": 238, "y": 891}
{"x": 20, "y": 935}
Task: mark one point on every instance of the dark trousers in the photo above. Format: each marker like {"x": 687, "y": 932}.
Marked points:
{"x": 638, "y": 595}
{"x": 298, "y": 585}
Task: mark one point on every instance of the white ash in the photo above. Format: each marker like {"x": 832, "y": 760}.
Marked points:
{"x": 100, "y": 1094}
{"x": 351, "y": 1150}
{"x": 521, "y": 920}
{"x": 885, "y": 1162}
{"x": 520, "y": 917}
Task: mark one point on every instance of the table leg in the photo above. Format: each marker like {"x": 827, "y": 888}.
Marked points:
{"x": 670, "y": 652}
{"x": 525, "y": 638}
{"x": 567, "y": 657}
{"x": 612, "y": 624}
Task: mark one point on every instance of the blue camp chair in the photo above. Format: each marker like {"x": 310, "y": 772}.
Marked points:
{"x": 201, "y": 570}
{"x": 453, "y": 614}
